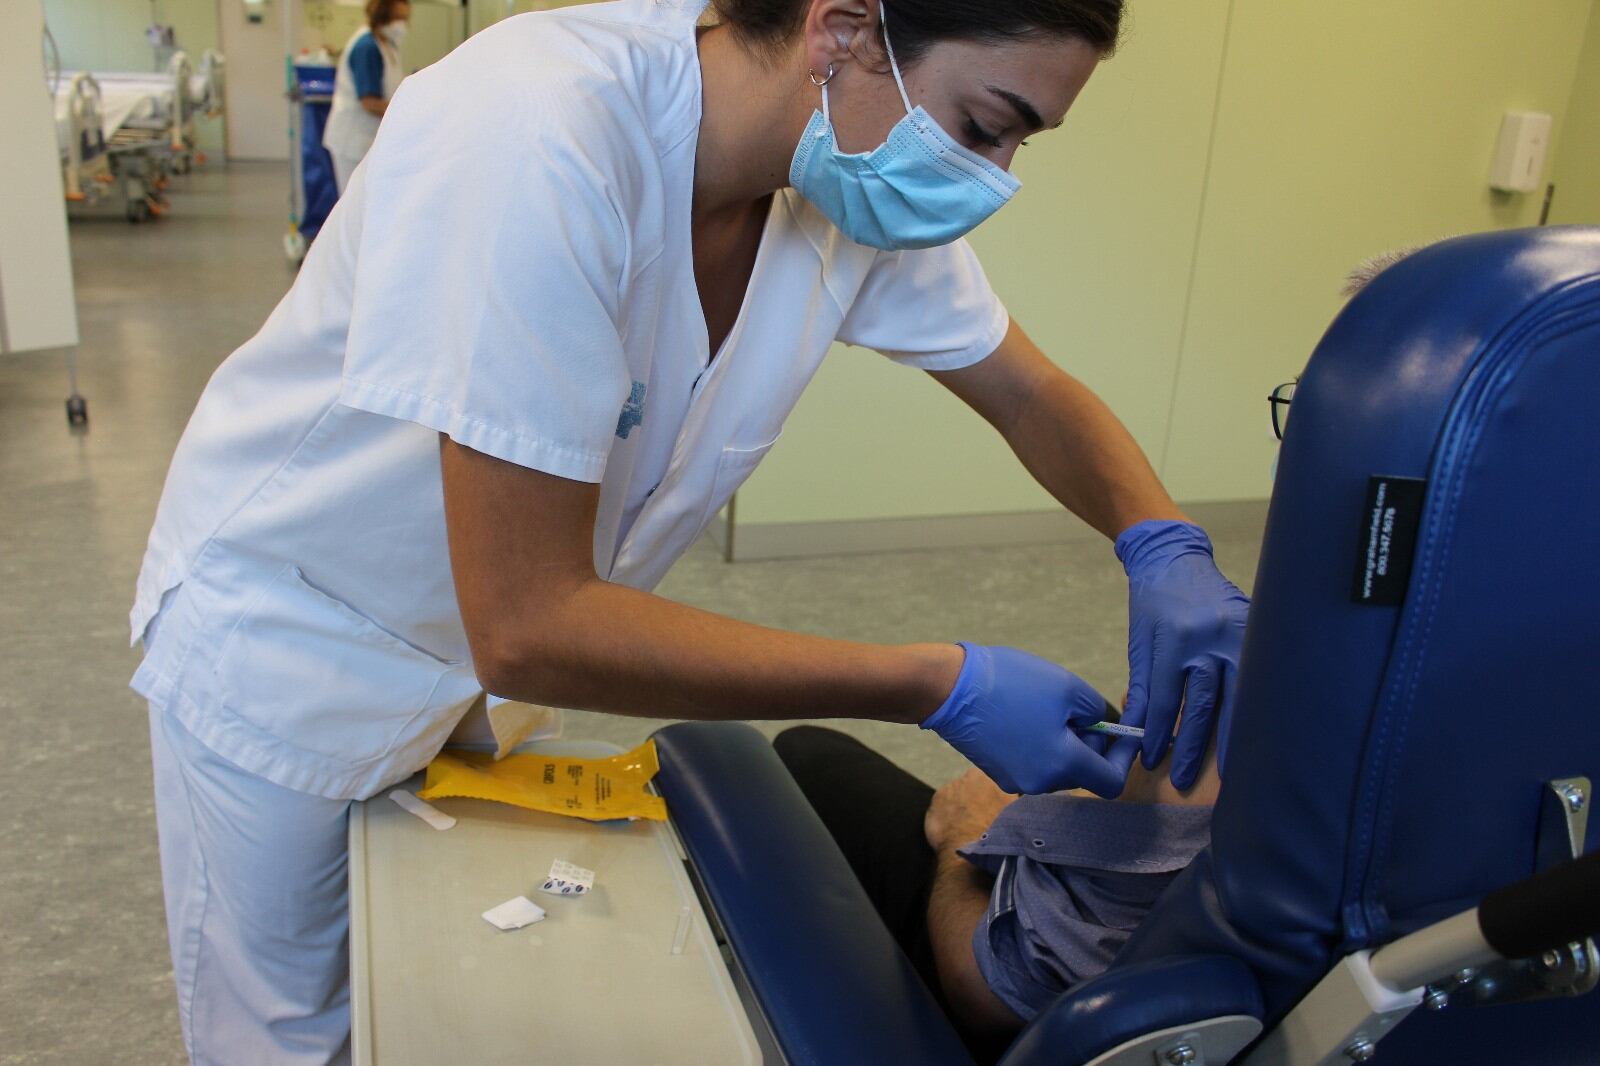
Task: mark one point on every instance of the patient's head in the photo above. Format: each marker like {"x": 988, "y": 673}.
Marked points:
{"x": 1354, "y": 282}
{"x": 1371, "y": 267}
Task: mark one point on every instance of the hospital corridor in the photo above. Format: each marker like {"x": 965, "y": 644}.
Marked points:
{"x": 813, "y": 532}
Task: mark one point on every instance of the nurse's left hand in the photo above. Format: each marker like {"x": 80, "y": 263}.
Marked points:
{"x": 1185, "y": 631}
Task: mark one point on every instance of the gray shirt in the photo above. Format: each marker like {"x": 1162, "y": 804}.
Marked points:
{"x": 1073, "y": 878}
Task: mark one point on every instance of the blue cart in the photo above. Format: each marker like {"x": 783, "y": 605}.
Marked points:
{"x": 312, "y": 191}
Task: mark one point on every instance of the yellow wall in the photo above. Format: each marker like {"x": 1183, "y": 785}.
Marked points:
{"x": 1092, "y": 259}
{"x": 1342, "y": 130}
{"x": 1180, "y": 243}
{"x": 1577, "y": 168}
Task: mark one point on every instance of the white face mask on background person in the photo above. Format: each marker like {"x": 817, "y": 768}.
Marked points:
{"x": 396, "y": 31}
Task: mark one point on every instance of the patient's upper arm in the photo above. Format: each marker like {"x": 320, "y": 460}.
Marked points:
{"x": 1155, "y": 786}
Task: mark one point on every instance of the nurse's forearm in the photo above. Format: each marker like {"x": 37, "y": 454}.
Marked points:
{"x": 544, "y": 628}
{"x": 606, "y": 647}
{"x": 1064, "y": 434}
{"x": 1085, "y": 457}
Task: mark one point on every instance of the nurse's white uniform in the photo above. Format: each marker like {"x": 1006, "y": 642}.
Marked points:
{"x": 519, "y": 278}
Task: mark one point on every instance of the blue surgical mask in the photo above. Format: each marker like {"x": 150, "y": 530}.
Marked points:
{"x": 920, "y": 188}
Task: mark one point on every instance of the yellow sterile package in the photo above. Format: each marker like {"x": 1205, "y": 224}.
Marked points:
{"x": 597, "y": 789}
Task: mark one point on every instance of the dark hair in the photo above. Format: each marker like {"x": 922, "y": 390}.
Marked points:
{"x": 915, "y": 25}
{"x": 381, "y": 12}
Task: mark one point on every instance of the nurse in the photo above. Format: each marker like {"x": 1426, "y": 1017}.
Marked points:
{"x": 559, "y": 316}
{"x": 368, "y": 74}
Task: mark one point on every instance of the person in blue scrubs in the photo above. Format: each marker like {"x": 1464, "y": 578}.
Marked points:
{"x": 369, "y": 72}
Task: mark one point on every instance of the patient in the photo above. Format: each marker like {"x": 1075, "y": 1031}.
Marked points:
{"x": 1001, "y": 902}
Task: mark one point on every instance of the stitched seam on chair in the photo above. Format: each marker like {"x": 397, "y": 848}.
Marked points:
{"x": 1489, "y": 403}
{"x": 1376, "y": 779}
{"x": 1454, "y": 455}
{"x": 1399, "y": 698}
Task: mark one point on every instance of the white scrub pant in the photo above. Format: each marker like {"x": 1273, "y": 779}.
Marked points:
{"x": 343, "y": 167}
{"x": 254, "y": 878}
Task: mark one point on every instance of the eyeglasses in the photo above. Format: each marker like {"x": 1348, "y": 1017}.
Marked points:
{"x": 1279, "y": 400}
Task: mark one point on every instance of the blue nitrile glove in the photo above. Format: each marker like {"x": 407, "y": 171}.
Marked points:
{"x": 1185, "y": 631}
{"x": 1013, "y": 715}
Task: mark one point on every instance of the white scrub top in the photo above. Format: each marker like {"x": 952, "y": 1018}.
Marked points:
{"x": 351, "y": 127}
{"x": 520, "y": 278}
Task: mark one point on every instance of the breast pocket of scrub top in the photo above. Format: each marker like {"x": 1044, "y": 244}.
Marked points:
{"x": 676, "y": 516}
{"x": 311, "y": 670}
{"x": 734, "y": 468}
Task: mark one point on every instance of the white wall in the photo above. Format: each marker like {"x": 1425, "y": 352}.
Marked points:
{"x": 36, "y": 307}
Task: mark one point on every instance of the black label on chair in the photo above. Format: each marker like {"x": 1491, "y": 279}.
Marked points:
{"x": 1388, "y": 537}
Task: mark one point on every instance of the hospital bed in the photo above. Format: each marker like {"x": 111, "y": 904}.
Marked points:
{"x": 1392, "y": 870}
{"x": 147, "y": 125}
{"x": 80, "y": 139}
{"x": 141, "y": 104}
{"x": 207, "y": 85}
{"x": 120, "y": 146}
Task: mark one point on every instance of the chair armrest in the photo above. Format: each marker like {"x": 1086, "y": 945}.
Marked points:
{"x": 832, "y": 983}
{"x": 1127, "y": 1002}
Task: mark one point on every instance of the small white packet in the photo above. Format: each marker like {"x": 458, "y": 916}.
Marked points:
{"x": 422, "y": 809}
{"x": 567, "y": 880}
{"x": 514, "y": 914}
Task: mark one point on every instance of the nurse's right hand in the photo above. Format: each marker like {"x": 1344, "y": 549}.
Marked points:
{"x": 1015, "y": 716}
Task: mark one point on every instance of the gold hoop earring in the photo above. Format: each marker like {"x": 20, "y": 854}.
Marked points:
{"x": 824, "y": 81}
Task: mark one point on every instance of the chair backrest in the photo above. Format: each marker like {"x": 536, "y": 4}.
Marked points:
{"x": 1387, "y": 757}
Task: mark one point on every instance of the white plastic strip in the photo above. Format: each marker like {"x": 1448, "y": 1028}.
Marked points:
{"x": 680, "y": 935}
{"x": 422, "y": 809}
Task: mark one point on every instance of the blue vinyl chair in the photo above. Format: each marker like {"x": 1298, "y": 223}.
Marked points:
{"x": 1417, "y": 727}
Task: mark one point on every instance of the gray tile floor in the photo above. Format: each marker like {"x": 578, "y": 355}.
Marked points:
{"x": 84, "y": 976}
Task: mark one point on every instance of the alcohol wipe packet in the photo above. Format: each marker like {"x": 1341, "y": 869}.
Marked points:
{"x": 596, "y": 789}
